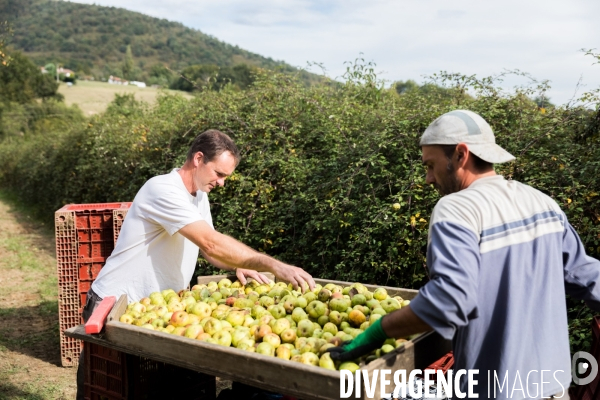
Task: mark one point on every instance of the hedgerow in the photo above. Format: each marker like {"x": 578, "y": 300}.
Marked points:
{"x": 322, "y": 166}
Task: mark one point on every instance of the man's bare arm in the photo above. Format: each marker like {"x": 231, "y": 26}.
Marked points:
{"x": 241, "y": 273}
{"x": 403, "y": 322}
{"x": 225, "y": 250}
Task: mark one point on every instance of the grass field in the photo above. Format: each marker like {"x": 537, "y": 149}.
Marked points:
{"x": 93, "y": 97}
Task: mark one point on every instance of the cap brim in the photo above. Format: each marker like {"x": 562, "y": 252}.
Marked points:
{"x": 491, "y": 153}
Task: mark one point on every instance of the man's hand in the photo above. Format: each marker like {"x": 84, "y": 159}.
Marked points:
{"x": 363, "y": 344}
{"x": 242, "y": 274}
{"x": 298, "y": 277}
{"x": 225, "y": 252}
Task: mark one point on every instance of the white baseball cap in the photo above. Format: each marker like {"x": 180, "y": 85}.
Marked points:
{"x": 463, "y": 126}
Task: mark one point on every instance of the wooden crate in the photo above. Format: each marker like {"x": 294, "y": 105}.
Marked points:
{"x": 282, "y": 376}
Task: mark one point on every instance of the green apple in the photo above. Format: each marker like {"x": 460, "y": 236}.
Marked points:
{"x": 373, "y": 303}
{"x": 359, "y": 299}
{"x": 317, "y": 289}
{"x": 235, "y": 318}
{"x": 224, "y": 283}
{"x": 265, "y": 319}
{"x": 257, "y": 311}
{"x": 265, "y": 348}
{"x": 138, "y": 307}
{"x": 201, "y": 309}
{"x": 301, "y": 302}
{"x": 278, "y": 311}
{"x": 390, "y": 305}
{"x": 324, "y": 347}
{"x": 339, "y": 305}
{"x": 243, "y": 303}
{"x": 193, "y": 331}
{"x": 387, "y": 348}
{"x": 404, "y": 303}
{"x": 380, "y": 294}
{"x": 238, "y": 335}
{"x": 126, "y": 319}
{"x": 326, "y": 362}
{"x": 305, "y": 328}
{"x": 322, "y": 320}
{"x": 300, "y": 342}
{"x": 246, "y": 342}
{"x": 378, "y": 310}
{"x": 309, "y": 358}
{"x": 324, "y": 295}
{"x": 280, "y": 325}
{"x": 248, "y": 320}
{"x": 374, "y": 317}
{"x": 309, "y": 297}
{"x": 316, "y": 308}
{"x": 158, "y": 323}
{"x": 292, "y": 322}
{"x": 335, "y": 318}
{"x": 330, "y": 327}
{"x": 273, "y": 339}
{"x": 161, "y": 310}
{"x": 288, "y": 335}
{"x": 284, "y": 353}
{"x": 349, "y": 366}
{"x": 212, "y": 326}
{"x": 344, "y": 316}
{"x": 222, "y": 337}
{"x": 179, "y": 331}
{"x": 266, "y": 301}
{"x": 299, "y": 314}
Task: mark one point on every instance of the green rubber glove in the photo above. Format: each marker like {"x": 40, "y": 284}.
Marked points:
{"x": 366, "y": 342}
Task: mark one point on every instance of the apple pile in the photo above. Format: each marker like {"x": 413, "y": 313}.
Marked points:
{"x": 271, "y": 319}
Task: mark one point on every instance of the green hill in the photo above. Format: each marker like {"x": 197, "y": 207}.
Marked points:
{"x": 93, "y": 40}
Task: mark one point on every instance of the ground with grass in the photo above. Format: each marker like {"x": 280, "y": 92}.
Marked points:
{"x": 93, "y": 97}
{"x": 29, "y": 341}
{"x": 30, "y": 364}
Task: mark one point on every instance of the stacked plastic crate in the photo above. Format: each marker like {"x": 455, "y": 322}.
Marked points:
{"x": 85, "y": 237}
{"x": 113, "y": 375}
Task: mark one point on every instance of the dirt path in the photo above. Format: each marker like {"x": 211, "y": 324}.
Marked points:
{"x": 29, "y": 342}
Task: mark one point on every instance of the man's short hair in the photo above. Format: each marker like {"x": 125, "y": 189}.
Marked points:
{"x": 479, "y": 164}
{"x": 212, "y": 143}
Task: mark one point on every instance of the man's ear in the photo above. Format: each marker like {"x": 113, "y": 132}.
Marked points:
{"x": 462, "y": 154}
{"x": 198, "y": 158}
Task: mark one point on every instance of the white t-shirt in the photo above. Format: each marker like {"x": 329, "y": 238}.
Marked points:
{"x": 150, "y": 255}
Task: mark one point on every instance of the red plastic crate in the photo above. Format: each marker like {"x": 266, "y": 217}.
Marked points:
{"x": 113, "y": 375}
{"x": 443, "y": 364}
{"x": 85, "y": 237}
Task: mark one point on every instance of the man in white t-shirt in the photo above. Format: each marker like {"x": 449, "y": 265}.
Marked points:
{"x": 169, "y": 222}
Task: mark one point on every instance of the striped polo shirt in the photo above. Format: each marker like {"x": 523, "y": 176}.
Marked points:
{"x": 501, "y": 257}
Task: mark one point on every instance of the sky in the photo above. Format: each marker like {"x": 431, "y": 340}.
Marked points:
{"x": 407, "y": 39}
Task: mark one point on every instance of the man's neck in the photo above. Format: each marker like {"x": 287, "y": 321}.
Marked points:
{"x": 187, "y": 176}
{"x": 469, "y": 178}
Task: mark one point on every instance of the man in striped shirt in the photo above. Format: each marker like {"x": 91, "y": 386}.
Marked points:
{"x": 502, "y": 256}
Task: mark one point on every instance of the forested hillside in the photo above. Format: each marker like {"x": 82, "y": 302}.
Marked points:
{"x": 94, "y": 40}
